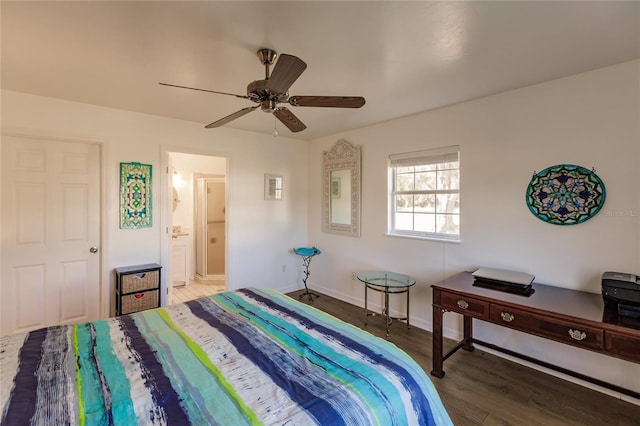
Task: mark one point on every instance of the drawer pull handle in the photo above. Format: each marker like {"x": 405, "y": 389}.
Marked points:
{"x": 577, "y": 334}
{"x": 462, "y": 304}
{"x": 506, "y": 316}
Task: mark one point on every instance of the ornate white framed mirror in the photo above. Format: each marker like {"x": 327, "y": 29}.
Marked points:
{"x": 341, "y": 167}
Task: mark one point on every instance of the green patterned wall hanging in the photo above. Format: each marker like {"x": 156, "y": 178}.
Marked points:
{"x": 135, "y": 195}
{"x": 565, "y": 194}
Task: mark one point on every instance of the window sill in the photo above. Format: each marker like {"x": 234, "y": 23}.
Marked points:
{"x": 424, "y": 238}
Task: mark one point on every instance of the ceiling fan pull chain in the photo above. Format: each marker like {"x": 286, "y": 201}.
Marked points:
{"x": 275, "y": 131}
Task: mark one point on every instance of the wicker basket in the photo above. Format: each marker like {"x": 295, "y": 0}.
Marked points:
{"x": 139, "y": 301}
{"x": 140, "y": 281}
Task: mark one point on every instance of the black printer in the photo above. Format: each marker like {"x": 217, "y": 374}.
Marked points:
{"x": 622, "y": 291}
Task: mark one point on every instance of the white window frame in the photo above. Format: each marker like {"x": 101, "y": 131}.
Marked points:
{"x": 416, "y": 158}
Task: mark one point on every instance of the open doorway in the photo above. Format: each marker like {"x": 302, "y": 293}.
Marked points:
{"x": 198, "y": 254}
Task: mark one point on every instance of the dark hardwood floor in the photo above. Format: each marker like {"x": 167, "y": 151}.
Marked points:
{"x": 482, "y": 389}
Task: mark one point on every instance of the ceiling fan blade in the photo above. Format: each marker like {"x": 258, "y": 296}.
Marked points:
{"x": 289, "y": 119}
{"x": 285, "y": 73}
{"x": 327, "y": 101}
{"x": 231, "y": 117}
{"x": 204, "y": 90}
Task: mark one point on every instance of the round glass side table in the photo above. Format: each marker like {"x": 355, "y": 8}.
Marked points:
{"x": 387, "y": 283}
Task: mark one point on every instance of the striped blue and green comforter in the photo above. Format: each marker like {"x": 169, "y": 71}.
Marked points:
{"x": 253, "y": 356}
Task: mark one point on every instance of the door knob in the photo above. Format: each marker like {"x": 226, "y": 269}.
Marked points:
{"x": 93, "y": 250}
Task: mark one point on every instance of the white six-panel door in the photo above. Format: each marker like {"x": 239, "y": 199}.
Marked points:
{"x": 50, "y": 233}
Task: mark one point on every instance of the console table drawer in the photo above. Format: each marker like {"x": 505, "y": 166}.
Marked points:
{"x": 465, "y": 305}
{"x": 622, "y": 345}
{"x": 564, "y": 331}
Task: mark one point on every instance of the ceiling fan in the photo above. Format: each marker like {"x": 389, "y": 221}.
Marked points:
{"x": 274, "y": 90}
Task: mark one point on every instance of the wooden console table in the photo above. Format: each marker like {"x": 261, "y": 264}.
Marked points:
{"x": 569, "y": 316}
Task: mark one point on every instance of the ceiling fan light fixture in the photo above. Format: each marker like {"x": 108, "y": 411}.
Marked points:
{"x": 274, "y": 90}
{"x": 269, "y": 105}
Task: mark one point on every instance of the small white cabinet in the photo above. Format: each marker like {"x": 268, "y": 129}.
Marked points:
{"x": 179, "y": 260}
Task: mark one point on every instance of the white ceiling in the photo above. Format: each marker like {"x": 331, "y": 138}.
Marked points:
{"x": 403, "y": 57}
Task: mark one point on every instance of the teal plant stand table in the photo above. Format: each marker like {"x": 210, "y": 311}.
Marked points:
{"x": 307, "y": 254}
{"x": 387, "y": 283}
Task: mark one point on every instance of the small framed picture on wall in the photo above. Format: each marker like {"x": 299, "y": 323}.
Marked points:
{"x": 135, "y": 195}
{"x": 272, "y": 187}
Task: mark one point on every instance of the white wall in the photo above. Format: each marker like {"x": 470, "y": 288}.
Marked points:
{"x": 261, "y": 233}
{"x": 591, "y": 119}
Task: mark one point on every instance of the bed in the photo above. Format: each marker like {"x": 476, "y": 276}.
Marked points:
{"x": 252, "y": 356}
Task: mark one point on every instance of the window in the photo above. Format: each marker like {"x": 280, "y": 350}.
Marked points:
{"x": 424, "y": 196}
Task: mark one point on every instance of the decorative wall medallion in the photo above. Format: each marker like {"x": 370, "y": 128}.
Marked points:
{"x": 565, "y": 194}
{"x": 135, "y": 195}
